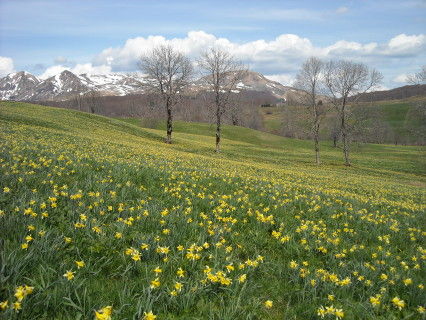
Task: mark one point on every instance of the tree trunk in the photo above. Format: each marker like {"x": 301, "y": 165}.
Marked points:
{"x": 234, "y": 120}
{"x": 316, "y": 128}
{"x": 169, "y": 124}
{"x": 316, "y": 140}
{"x": 218, "y": 116}
{"x": 344, "y": 137}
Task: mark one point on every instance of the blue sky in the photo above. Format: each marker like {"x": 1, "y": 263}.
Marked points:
{"x": 273, "y": 37}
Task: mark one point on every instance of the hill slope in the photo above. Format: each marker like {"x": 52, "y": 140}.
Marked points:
{"x": 97, "y": 212}
{"x": 393, "y": 121}
{"x": 403, "y": 92}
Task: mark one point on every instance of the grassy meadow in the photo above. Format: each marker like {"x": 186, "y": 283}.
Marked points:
{"x": 99, "y": 219}
{"x": 393, "y": 113}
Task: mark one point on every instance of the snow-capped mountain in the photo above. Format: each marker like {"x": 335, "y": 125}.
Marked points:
{"x": 66, "y": 85}
{"x": 251, "y": 81}
{"x": 59, "y": 86}
{"x": 19, "y": 84}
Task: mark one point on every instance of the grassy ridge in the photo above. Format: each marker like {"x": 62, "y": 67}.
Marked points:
{"x": 97, "y": 212}
{"x": 394, "y": 114}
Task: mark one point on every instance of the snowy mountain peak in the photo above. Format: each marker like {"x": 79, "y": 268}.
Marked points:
{"x": 66, "y": 85}
{"x": 18, "y": 85}
{"x": 251, "y": 81}
{"x": 22, "y": 76}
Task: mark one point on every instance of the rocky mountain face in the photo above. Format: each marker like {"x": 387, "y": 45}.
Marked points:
{"x": 251, "y": 81}
{"x": 63, "y": 86}
{"x": 66, "y": 85}
{"x": 18, "y": 86}
{"x": 258, "y": 82}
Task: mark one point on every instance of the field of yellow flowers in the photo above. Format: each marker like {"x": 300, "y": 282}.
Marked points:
{"x": 101, "y": 220}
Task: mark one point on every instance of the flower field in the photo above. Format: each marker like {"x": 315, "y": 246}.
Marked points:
{"x": 101, "y": 220}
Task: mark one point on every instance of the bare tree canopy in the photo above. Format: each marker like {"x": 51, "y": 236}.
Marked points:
{"x": 310, "y": 76}
{"x": 417, "y": 78}
{"x": 223, "y": 72}
{"x": 346, "y": 79}
{"x": 93, "y": 98}
{"x": 309, "y": 79}
{"x": 168, "y": 74}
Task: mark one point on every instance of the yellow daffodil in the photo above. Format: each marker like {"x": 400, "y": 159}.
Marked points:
{"x": 69, "y": 275}
{"x": 149, "y": 316}
{"x": 104, "y": 313}
{"x": 268, "y": 304}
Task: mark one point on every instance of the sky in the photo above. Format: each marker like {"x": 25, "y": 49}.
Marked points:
{"x": 271, "y": 37}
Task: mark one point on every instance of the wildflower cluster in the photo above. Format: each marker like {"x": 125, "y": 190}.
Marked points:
{"x": 20, "y": 293}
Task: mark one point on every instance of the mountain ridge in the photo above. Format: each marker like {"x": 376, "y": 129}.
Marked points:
{"x": 23, "y": 86}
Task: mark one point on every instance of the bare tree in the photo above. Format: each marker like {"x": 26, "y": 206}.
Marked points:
{"x": 168, "y": 74}
{"x": 309, "y": 80}
{"x": 417, "y": 78}
{"x": 368, "y": 124}
{"x": 223, "y": 73}
{"x": 346, "y": 79}
{"x": 93, "y": 99}
{"x": 295, "y": 122}
{"x": 76, "y": 101}
{"x": 335, "y": 133}
{"x": 236, "y": 112}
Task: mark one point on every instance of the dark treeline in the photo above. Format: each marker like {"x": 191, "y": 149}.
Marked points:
{"x": 244, "y": 110}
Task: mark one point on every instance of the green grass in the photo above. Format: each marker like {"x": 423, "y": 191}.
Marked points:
{"x": 395, "y": 113}
{"x": 396, "y": 116}
{"x": 246, "y": 213}
{"x": 270, "y": 148}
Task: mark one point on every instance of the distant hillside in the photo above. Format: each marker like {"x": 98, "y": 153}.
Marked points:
{"x": 392, "y": 121}
{"x": 395, "y": 94}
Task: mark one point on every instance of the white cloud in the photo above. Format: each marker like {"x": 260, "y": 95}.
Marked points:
{"x": 90, "y": 69}
{"x": 126, "y": 57}
{"x": 378, "y": 87}
{"x": 6, "y": 66}
{"x": 402, "y": 78}
{"x": 280, "y": 55}
{"x": 400, "y": 45}
{"x": 285, "y": 79}
{"x": 403, "y": 44}
{"x": 259, "y": 54}
{"x": 77, "y": 69}
{"x": 343, "y": 48}
{"x": 51, "y": 71}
